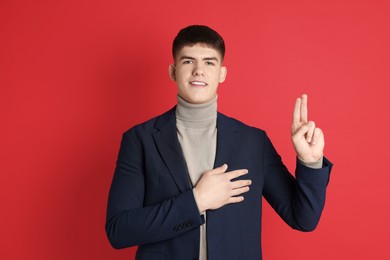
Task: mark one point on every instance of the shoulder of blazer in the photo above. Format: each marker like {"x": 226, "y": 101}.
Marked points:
{"x": 235, "y": 125}
{"x": 154, "y": 124}
{"x": 166, "y": 119}
{"x": 224, "y": 121}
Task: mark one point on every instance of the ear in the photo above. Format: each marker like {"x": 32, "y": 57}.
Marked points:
{"x": 172, "y": 72}
{"x": 222, "y": 74}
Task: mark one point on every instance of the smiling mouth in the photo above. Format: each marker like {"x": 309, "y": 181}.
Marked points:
{"x": 198, "y": 83}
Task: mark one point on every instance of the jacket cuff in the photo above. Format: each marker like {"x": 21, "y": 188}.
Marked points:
{"x": 304, "y": 173}
{"x": 314, "y": 165}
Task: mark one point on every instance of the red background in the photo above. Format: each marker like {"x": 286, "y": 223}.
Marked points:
{"x": 74, "y": 75}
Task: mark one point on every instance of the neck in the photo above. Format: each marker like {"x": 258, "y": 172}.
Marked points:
{"x": 196, "y": 115}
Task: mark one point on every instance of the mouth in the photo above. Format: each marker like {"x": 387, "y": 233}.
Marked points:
{"x": 198, "y": 83}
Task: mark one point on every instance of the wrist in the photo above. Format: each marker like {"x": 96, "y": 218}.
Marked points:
{"x": 315, "y": 164}
{"x": 201, "y": 208}
{"x": 308, "y": 160}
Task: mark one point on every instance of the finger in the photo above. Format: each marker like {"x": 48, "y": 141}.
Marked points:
{"x": 235, "y": 199}
{"x": 237, "y": 173}
{"x": 297, "y": 112}
{"x": 317, "y": 135}
{"x": 309, "y": 135}
{"x": 240, "y": 183}
{"x": 220, "y": 169}
{"x": 304, "y": 111}
{"x": 239, "y": 191}
{"x": 302, "y": 131}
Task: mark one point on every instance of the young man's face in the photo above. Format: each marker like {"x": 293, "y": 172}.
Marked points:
{"x": 197, "y": 71}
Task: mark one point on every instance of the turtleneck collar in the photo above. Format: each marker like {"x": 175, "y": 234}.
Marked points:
{"x": 196, "y": 115}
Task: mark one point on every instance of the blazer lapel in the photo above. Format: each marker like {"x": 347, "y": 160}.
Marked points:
{"x": 170, "y": 150}
{"x": 227, "y": 140}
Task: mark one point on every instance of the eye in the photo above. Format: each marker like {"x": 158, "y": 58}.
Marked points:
{"x": 188, "y": 61}
{"x": 210, "y": 63}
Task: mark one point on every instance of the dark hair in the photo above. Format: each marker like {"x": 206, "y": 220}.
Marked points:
{"x": 194, "y": 34}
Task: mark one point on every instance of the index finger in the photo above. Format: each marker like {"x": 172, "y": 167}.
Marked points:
{"x": 297, "y": 111}
{"x": 237, "y": 173}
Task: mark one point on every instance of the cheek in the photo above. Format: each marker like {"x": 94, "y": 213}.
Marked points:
{"x": 183, "y": 71}
{"x": 216, "y": 79}
{"x": 216, "y": 75}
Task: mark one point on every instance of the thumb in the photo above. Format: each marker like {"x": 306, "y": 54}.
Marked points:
{"x": 220, "y": 169}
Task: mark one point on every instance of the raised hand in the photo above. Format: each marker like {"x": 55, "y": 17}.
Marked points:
{"x": 216, "y": 188}
{"x": 308, "y": 140}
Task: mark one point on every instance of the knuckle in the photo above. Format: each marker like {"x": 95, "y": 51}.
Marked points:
{"x": 228, "y": 177}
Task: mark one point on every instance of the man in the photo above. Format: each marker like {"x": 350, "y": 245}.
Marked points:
{"x": 188, "y": 183}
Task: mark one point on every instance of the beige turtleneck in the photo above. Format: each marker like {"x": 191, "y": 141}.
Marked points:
{"x": 197, "y": 132}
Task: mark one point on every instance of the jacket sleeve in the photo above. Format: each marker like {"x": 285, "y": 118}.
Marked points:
{"x": 298, "y": 201}
{"x": 128, "y": 221}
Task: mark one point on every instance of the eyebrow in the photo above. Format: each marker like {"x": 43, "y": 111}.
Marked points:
{"x": 192, "y": 58}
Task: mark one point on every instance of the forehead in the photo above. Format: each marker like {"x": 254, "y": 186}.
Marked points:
{"x": 198, "y": 51}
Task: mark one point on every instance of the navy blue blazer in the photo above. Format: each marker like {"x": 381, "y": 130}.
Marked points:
{"x": 151, "y": 203}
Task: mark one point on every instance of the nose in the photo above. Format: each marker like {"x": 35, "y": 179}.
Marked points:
{"x": 198, "y": 70}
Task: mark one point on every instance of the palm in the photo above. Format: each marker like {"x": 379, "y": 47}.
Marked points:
{"x": 308, "y": 140}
